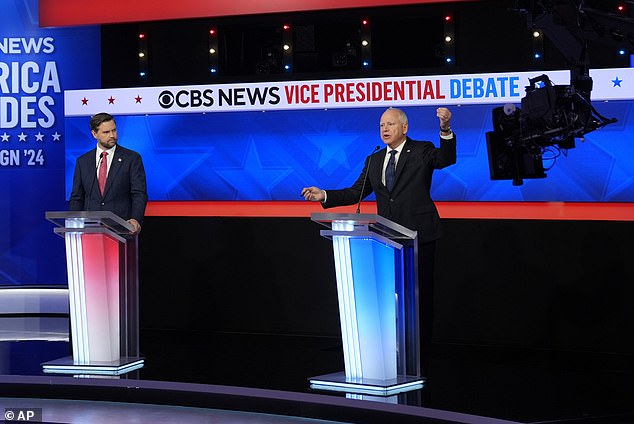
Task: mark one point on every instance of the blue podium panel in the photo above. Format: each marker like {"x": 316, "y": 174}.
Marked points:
{"x": 373, "y": 272}
{"x": 376, "y": 285}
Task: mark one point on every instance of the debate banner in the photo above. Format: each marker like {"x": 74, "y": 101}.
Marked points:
{"x": 265, "y": 141}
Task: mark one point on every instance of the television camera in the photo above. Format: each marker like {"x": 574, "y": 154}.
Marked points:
{"x": 551, "y": 117}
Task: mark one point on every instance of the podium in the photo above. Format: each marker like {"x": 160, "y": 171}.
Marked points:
{"x": 377, "y": 287}
{"x": 102, "y": 265}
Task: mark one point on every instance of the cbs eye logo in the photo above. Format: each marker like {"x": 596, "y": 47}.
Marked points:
{"x": 186, "y": 98}
{"x": 166, "y": 99}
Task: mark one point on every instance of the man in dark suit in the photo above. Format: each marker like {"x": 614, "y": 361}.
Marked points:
{"x": 402, "y": 189}
{"x": 122, "y": 177}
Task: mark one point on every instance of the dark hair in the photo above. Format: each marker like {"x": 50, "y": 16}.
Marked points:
{"x": 99, "y": 119}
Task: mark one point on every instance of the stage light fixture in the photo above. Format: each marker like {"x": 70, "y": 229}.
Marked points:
{"x": 365, "y": 56}
{"x": 448, "y": 48}
{"x": 622, "y": 52}
{"x": 212, "y": 46}
{"x": 142, "y": 52}
{"x": 538, "y": 44}
{"x": 287, "y": 47}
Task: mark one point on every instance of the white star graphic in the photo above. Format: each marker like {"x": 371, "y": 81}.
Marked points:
{"x": 56, "y": 136}
{"x": 22, "y": 136}
{"x": 252, "y": 180}
{"x": 5, "y": 137}
{"x": 39, "y": 136}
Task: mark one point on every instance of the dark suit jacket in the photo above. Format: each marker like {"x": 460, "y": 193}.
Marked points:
{"x": 410, "y": 203}
{"x": 125, "y": 193}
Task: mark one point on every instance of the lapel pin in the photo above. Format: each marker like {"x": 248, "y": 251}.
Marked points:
{"x": 119, "y": 159}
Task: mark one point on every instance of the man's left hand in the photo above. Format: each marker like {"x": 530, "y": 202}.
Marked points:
{"x": 136, "y": 225}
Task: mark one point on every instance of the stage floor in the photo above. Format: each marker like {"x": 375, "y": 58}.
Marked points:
{"x": 482, "y": 384}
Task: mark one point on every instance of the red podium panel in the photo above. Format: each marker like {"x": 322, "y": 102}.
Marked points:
{"x": 102, "y": 265}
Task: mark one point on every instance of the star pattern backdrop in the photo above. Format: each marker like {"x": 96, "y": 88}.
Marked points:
{"x": 268, "y": 156}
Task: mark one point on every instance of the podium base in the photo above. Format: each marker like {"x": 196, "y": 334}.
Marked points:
{"x": 120, "y": 366}
{"x": 340, "y": 383}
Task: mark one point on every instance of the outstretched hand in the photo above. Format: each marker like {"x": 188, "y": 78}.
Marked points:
{"x": 313, "y": 194}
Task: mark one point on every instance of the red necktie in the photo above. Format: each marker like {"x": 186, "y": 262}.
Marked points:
{"x": 103, "y": 171}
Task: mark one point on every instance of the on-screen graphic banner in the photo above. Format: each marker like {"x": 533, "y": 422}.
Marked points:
{"x": 265, "y": 141}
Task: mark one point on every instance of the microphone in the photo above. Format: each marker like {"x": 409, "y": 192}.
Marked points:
{"x": 365, "y": 177}
{"x": 92, "y": 183}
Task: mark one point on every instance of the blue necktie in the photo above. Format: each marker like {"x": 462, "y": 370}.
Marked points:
{"x": 389, "y": 171}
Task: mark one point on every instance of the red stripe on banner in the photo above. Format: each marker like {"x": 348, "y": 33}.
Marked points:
{"x": 450, "y": 210}
{"x": 82, "y": 12}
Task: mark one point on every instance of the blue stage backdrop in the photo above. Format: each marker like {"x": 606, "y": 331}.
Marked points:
{"x": 36, "y": 66}
{"x": 257, "y": 142}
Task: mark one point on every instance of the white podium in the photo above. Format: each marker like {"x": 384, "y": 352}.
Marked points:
{"x": 102, "y": 265}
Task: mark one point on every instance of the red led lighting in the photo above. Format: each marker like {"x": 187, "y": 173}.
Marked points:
{"x": 141, "y": 36}
{"x": 286, "y": 27}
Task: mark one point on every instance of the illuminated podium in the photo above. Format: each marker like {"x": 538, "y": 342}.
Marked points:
{"x": 102, "y": 265}
{"x": 376, "y": 271}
